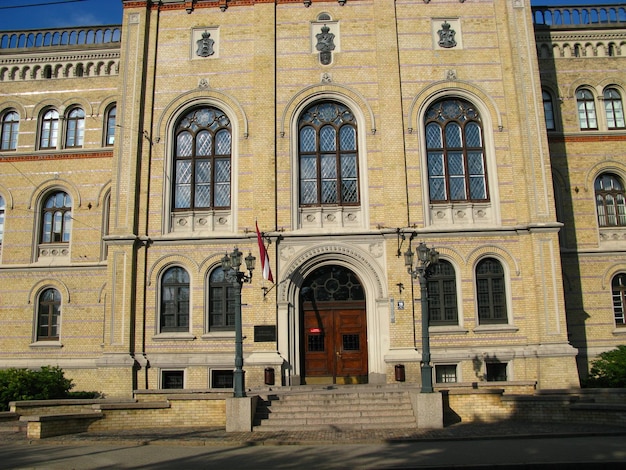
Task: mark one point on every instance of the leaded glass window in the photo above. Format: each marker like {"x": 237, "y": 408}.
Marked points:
{"x": 9, "y": 126}
{"x": 586, "y": 110}
{"x": 175, "y": 300}
{"x": 57, "y": 218}
{"x": 328, "y": 155}
{"x": 332, "y": 283}
{"x": 222, "y": 297}
{"x": 48, "y": 315}
{"x": 490, "y": 292}
{"x": 442, "y": 304}
{"x": 49, "y": 129}
{"x": 202, "y": 160}
{"x": 610, "y": 201}
{"x": 455, "y": 152}
{"x": 614, "y": 109}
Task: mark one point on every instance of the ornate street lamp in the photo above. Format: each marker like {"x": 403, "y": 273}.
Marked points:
{"x": 426, "y": 257}
{"x": 230, "y": 266}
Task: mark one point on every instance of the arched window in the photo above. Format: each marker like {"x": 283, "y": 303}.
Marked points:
{"x": 2, "y": 210}
{"x": 490, "y": 292}
{"x": 328, "y": 155}
{"x": 442, "y": 303}
{"x": 221, "y": 302}
{"x": 548, "y": 111}
{"x": 75, "y": 128}
{"x": 57, "y": 218}
{"x": 610, "y": 201}
{"x": 455, "y": 152}
{"x": 618, "y": 287}
{"x": 175, "y": 300}
{"x": 586, "y": 110}
{"x": 9, "y": 127}
{"x": 49, "y": 129}
{"x": 202, "y": 160}
{"x": 614, "y": 109}
{"x": 109, "y": 133}
{"x": 48, "y": 315}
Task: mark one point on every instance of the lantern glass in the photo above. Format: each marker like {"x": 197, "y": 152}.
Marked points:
{"x": 423, "y": 252}
{"x": 250, "y": 262}
{"x": 226, "y": 265}
{"x": 235, "y": 258}
{"x": 408, "y": 258}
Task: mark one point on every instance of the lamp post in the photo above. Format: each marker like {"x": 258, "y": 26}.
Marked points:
{"x": 230, "y": 265}
{"x": 426, "y": 257}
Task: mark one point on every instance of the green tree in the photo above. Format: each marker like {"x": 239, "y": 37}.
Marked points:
{"x": 609, "y": 370}
{"x": 26, "y": 384}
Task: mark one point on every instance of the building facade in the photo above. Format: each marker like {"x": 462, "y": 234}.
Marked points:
{"x": 135, "y": 157}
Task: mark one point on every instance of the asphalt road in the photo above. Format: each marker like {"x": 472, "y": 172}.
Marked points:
{"x": 602, "y": 452}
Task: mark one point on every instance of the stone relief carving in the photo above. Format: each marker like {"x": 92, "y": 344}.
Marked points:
{"x": 205, "y": 45}
{"x": 446, "y": 36}
{"x": 325, "y": 45}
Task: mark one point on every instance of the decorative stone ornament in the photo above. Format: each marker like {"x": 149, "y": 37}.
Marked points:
{"x": 325, "y": 45}
{"x": 205, "y": 45}
{"x": 446, "y": 36}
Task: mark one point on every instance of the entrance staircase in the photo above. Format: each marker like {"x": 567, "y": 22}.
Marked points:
{"x": 336, "y": 408}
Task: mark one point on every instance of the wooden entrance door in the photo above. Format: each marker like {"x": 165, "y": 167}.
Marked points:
{"x": 335, "y": 343}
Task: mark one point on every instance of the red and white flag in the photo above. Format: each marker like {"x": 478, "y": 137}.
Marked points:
{"x": 265, "y": 259}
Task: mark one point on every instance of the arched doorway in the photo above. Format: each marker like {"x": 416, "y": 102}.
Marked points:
{"x": 333, "y": 327}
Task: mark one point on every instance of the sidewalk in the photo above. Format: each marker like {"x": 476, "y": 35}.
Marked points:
{"x": 207, "y": 436}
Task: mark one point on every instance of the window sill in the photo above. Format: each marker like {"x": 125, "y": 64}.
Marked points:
{"x": 621, "y": 330}
{"x": 496, "y": 329}
{"x": 447, "y": 330}
{"x": 46, "y": 344}
{"x": 174, "y": 337}
{"x": 216, "y": 335}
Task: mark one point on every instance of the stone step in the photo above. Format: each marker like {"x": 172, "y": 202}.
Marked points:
{"x": 277, "y": 427}
{"x": 344, "y": 409}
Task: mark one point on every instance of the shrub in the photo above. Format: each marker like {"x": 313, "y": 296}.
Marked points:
{"x": 609, "y": 370}
{"x": 25, "y": 384}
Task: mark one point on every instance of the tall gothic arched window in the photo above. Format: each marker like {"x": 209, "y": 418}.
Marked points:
{"x": 614, "y": 109}
{"x": 49, "y": 132}
{"x": 328, "y": 155}
{"x": 455, "y": 152}
{"x": 175, "y": 300}
{"x": 491, "y": 292}
{"x": 57, "y": 218}
{"x": 586, "y": 110}
{"x": 75, "y": 132}
{"x": 48, "y": 315}
{"x": 610, "y": 201}
{"x": 618, "y": 288}
{"x": 202, "y": 160}
{"x": 9, "y": 126}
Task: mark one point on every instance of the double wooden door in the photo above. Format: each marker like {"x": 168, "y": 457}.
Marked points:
{"x": 335, "y": 343}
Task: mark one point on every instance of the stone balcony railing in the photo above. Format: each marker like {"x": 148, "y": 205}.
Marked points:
{"x": 580, "y": 16}
{"x": 88, "y": 51}
{"x": 61, "y": 37}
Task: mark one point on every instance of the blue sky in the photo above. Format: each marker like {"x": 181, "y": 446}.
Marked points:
{"x": 33, "y": 14}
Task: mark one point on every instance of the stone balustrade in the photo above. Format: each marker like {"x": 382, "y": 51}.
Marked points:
{"x": 60, "y": 37}
{"x": 592, "y": 15}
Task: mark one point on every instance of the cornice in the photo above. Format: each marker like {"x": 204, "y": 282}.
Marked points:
{"x": 49, "y": 58}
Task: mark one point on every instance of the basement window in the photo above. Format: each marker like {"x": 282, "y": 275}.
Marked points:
{"x": 221, "y": 379}
{"x": 445, "y": 374}
{"x": 172, "y": 379}
{"x": 496, "y": 372}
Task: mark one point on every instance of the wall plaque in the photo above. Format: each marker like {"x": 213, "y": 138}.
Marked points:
{"x": 264, "y": 333}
